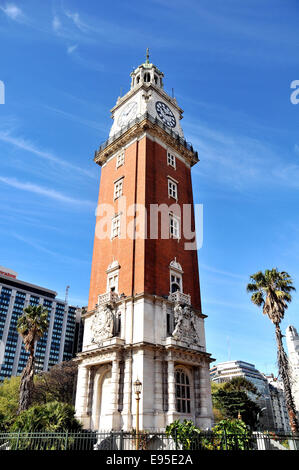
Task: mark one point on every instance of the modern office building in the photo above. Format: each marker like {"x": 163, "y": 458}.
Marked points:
{"x": 280, "y": 413}
{"x": 225, "y": 371}
{"x": 55, "y": 346}
{"x": 292, "y": 339}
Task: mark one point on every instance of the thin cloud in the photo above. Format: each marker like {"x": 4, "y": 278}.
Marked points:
{"x": 47, "y": 192}
{"x": 28, "y": 146}
{"x": 13, "y": 12}
{"x": 38, "y": 246}
{"x": 73, "y": 117}
{"x": 72, "y": 49}
{"x": 56, "y": 24}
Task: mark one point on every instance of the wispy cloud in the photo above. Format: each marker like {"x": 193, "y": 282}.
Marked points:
{"x": 38, "y": 246}
{"x": 240, "y": 161}
{"x": 47, "y": 192}
{"x": 56, "y": 24}
{"x": 13, "y": 12}
{"x": 72, "y": 49}
{"x": 76, "y": 19}
{"x": 19, "y": 142}
{"x": 222, "y": 273}
{"x": 74, "y": 117}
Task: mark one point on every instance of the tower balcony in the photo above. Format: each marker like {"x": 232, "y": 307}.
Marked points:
{"x": 180, "y": 298}
{"x": 140, "y": 123}
{"x": 108, "y": 298}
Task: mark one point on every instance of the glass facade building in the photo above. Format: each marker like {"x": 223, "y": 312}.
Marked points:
{"x": 55, "y": 346}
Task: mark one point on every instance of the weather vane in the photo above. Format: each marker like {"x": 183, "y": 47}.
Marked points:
{"x": 147, "y": 55}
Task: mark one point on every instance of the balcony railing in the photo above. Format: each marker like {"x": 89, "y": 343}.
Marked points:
{"x": 153, "y": 120}
{"x": 107, "y": 298}
{"x": 180, "y": 298}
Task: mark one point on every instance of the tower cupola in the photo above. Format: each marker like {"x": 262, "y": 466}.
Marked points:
{"x": 147, "y": 73}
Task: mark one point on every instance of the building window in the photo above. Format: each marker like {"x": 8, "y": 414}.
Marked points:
{"x": 172, "y": 189}
{"x": 118, "y": 188}
{"x": 174, "y": 227}
{"x": 120, "y": 159}
{"x": 175, "y": 282}
{"x": 171, "y": 159}
{"x": 115, "y": 227}
{"x": 112, "y": 282}
{"x": 182, "y": 392}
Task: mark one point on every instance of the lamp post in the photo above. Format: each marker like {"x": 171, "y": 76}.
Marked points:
{"x": 137, "y": 389}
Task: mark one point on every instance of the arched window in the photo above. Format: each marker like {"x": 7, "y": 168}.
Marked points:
{"x": 147, "y": 77}
{"x": 182, "y": 391}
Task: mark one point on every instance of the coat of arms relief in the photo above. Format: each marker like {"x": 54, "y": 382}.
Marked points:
{"x": 186, "y": 324}
{"x": 102, "y": 324}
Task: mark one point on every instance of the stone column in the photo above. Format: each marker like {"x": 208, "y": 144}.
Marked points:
{"x": 127, "y": 398}
{"x": 171, "y": 391}
{"x": 82, "y": 395}
{"x": 158, "y": 394}
{"x": 206, "y": 414}
{"x": 115, "y": 415}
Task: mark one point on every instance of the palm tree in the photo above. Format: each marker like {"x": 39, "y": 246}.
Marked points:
{"x": 271, "y": 290}
{"x": 31, "y": 325}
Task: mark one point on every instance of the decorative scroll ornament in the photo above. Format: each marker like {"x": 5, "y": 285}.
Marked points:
{"x": 102, "y": 325}
{"x": 185, "y": 324}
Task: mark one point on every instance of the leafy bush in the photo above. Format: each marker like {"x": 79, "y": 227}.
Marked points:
{"x": 9, "y": 402}
{"x": 185, "y": 434}
{"x": 51, "y": 417}
{"x": 229, "y": 434}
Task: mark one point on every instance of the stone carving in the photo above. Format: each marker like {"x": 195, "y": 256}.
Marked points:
{"x": 185, "y": 324}
{"x": 102, "y": 324}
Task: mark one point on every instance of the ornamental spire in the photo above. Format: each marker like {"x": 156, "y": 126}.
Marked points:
{"x": 147, "y": 56}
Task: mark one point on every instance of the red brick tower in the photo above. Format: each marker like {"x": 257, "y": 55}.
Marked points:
{"x": 144, "y": 315}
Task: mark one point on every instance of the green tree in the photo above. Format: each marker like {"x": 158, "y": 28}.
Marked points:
{"x": 31, "y": 325}
{"x": 57, "y": 384}
{"x": 271, "y": 290}
{"x": 9, "y": 401}
{"x": 234, "y": 397}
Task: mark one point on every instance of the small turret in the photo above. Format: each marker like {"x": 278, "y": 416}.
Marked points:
{"x": 147, "y": 73}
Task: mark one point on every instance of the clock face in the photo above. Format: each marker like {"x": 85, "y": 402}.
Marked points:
{"x": 127, "y": 114}
{"x": 165, "y": 114}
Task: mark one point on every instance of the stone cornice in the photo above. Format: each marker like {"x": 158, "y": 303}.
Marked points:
{"x": 136, "y": 130}
{"x": 174, "y": 352}
{"x": 143, "y": 295}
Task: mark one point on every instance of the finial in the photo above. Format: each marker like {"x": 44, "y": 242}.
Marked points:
{"x": 147, "y": 55}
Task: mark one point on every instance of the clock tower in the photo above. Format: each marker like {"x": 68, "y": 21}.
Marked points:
{"x": 144, "y": 319}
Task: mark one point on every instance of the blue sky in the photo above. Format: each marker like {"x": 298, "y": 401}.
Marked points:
{"x": 64, "y": 63}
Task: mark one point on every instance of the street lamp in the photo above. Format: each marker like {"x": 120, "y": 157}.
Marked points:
{"x": 137, "y": 389}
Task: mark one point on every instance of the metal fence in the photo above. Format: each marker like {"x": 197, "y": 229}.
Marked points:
{"x": 158, "y": 441}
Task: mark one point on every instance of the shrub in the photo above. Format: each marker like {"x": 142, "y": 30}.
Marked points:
{"x": 51, "y": 417}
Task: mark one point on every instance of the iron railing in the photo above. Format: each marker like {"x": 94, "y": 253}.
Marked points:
{"x": 153, "y": 120}
{"x": 156, "y": 441}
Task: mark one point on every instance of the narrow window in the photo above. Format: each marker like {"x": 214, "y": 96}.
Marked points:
{"x": 171, "y": 159}
{"x": 115, "y": 227}
{"x": 182, "y": 391}
{"x": 172, "y": 189}
{"x": 174, "y": 227}
{"x": 118, "y": 188}
{"x": 120, "y": 159}
{"x": 175, "y": 282}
